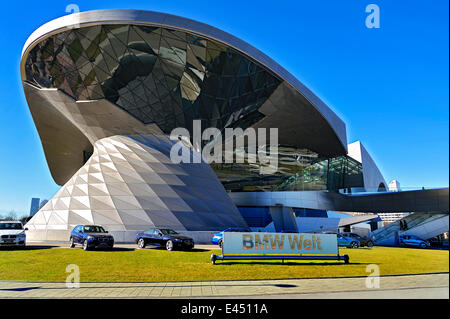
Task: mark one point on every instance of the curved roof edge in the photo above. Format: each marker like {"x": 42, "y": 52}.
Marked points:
{"x": 150, "y": 17}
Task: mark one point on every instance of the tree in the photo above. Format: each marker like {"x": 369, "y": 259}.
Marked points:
{"x": 10, "y": 216}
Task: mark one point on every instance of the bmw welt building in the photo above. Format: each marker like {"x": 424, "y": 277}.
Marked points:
{"x": 106, "y": 88}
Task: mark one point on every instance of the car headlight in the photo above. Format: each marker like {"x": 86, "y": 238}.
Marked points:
{"x": 22, "y": 234}
{"x": 90, "y": 238}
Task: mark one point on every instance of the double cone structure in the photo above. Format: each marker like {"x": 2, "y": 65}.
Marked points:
{"x": 130, "y": 184}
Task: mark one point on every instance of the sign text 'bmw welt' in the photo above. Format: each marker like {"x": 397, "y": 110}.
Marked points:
{"x": 279, "y": 243}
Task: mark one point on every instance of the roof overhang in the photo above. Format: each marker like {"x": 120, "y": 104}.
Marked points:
{"x": 329, "y": 131}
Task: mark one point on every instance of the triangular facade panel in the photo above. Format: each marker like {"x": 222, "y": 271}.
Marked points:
{"x": 129, "y": 190}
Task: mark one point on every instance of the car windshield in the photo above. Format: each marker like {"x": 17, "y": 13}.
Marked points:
{"x": 11, "y": 226}
{"x": 168, "y": 232}
{"x": 94, "y": 229}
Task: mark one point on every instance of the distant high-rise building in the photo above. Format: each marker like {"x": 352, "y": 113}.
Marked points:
{"x": 34, "y": 206}
{"x": 43, "y": 202}
{"x": 388, "y": 218}
{"x": 394, "y": 186}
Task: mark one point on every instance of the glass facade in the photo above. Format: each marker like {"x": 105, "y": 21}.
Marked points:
{"x": 298, "y": 170}
{"x": 256, "y": 216}
{"x": 158, "y": 75}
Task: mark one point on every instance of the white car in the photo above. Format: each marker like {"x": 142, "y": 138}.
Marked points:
{"x": 12, "y": 233}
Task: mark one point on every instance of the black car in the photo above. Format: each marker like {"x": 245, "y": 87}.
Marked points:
{"x": 163, "y": 237}
{"x": 90, "y": 236}
{"x": 365, "y": 242}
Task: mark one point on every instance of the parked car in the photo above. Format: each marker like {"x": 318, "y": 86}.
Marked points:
{"x": 438, "y": 241}
{"x": 163, "y": 237}
{"x": 90, "y": 237}
{"x": 411, "y": 240}
{"x": 364, "y": 241}
{"x": 350, "y": 242}
{"x": 12, "y": 233}
{"x": 217, "y": 238}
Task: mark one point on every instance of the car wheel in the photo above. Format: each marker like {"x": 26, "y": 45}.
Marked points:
{"x": 141, "y": 243}
{"x": 423, "y": 245}
{"x": 169, "y": 245}
{"x": 71, "y": 243}
{"x": 370, "y": 243}
{"x": 220, "y": 243}
{"x": 354, "y": 244}
{"x": 85, "y": 245}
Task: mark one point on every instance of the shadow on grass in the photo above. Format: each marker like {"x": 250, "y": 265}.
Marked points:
{"x": 37, "y": 247}
{"x": 287, "y": 263}
{"x": 198, "y": 250}
{"x": 194, "y": 250}
{"x": 113, "y": 249}
{"x": 104, "y": 249}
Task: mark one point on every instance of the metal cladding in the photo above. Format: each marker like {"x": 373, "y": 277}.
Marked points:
{"x": 130, "y": 184}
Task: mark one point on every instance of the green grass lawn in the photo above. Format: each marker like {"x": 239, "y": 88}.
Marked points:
{"x": 161, "y": 265}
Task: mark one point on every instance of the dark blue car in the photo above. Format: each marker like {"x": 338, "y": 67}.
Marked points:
{"x": 217, "y": 238}
{"x": 163, "y": 237}
{"x": 90, "y": 236}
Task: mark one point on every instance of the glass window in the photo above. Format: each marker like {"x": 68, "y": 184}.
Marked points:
{"x": 11, "y": 226}
{"x": 94, "y": 229}
{"x": 168, "y": 231}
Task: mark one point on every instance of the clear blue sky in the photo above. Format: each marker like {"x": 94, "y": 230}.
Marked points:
{"x": 390, "y": 85}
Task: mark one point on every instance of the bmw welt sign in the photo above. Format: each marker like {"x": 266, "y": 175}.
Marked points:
{"x": 279, "y": 243}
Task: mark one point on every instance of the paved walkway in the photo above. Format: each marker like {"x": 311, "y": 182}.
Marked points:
{"x": 408, "y": 286}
